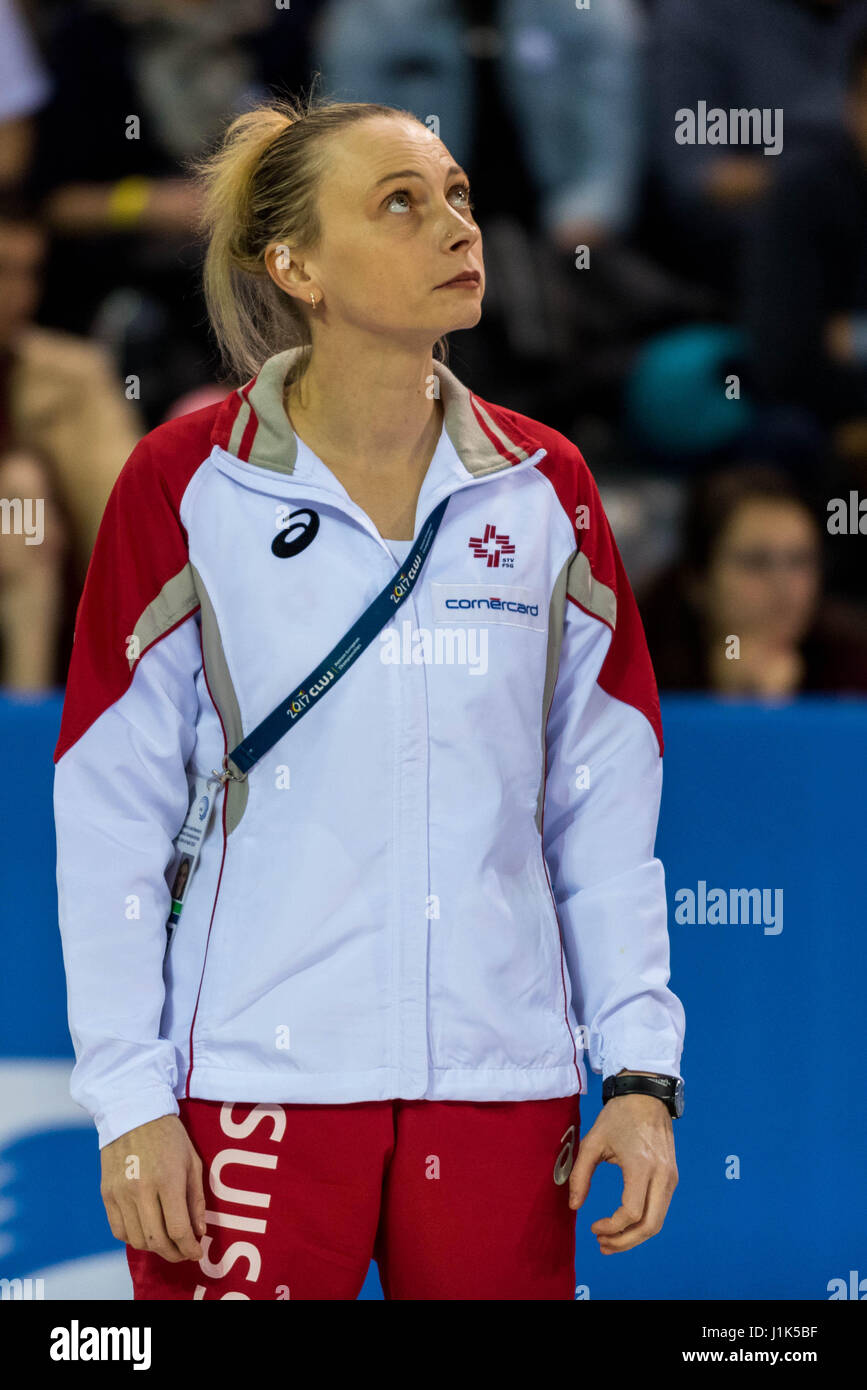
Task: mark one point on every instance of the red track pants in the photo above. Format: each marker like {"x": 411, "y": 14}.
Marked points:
{"x": 453, "y": 1199}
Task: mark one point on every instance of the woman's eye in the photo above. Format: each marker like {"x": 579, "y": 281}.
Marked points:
{"x": 404, "y": 193}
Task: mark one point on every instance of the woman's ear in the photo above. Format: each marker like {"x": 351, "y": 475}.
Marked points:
{"x": 278, "y": 257}
{"x": 287, "y": 272}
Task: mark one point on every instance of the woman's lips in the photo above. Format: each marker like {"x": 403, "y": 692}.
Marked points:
{"x": 469, "y": 279}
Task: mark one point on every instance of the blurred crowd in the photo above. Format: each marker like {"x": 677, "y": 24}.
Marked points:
{"x": 673, "y": 200}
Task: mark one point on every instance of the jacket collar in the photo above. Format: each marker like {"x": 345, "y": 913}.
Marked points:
{"x": 252, "y": 423}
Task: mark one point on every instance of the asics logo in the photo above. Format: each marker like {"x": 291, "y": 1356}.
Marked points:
{"x": 305, "y": 524}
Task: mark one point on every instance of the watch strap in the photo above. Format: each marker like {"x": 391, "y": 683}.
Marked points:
{"x": 666, "y": 1088}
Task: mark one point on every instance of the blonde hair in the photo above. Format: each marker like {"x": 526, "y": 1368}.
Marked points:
{"x": 260, "y": 184}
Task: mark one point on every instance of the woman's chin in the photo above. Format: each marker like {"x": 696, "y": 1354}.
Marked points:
{"x": 468, "y": 317}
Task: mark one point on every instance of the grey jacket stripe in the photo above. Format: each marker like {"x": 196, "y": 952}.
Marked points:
{"x": 597, "y": 598}
{"x": 575, "y": 579}
{"x": 175, "y": 600}
{"x": 238, "y": 428}
{"x": 274, "y": 443}
{"x": 224, "y": 697}
{"x": 504, "y": 439}
{"x": 556, "y": 619}
{"x": 180, "y": 596}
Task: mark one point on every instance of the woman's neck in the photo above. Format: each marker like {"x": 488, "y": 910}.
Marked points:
{"x": 369, "y": 413}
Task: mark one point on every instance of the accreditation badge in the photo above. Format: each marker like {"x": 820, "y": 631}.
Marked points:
{"x": 188, "y": 843}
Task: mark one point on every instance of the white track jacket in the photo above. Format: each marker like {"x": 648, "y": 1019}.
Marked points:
{"x": 441, "y": 884}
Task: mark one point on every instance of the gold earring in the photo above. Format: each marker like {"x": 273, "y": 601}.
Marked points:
{"x": 312, "y": 299}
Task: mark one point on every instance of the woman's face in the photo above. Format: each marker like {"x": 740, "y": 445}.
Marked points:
{"x": 764, "y": 577}
{"x": 396, "y": 224}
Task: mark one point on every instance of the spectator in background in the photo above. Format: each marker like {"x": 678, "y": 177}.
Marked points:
{"x": 59, "y": 394}
{"x": 66, "y": 429}
{"x": 24, "y": 88}
{"x": 733, "y": 54}
{"x": 805, "y": 277}
{"x": 750, "y": 568}
{"x": 573, "y": 77}
{"x": 140, "y": 85}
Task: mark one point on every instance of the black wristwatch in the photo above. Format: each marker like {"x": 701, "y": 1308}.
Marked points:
{"x": 668, "y": 1088}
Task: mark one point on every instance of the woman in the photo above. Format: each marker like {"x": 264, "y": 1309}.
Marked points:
{"x": 740, "y": 612}
{"x": 413, "y": 903}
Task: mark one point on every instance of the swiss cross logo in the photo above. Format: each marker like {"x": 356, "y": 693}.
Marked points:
{"x": 491, "y": 546}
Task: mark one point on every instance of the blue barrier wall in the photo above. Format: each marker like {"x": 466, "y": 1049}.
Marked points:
{"x": 753, "y": 798}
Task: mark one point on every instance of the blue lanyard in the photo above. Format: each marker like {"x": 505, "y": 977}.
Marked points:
{"x": 338, "y": 661}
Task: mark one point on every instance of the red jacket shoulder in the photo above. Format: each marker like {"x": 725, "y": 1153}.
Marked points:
{"x": 169, "y": 454}
{"x": 564, "y": 464}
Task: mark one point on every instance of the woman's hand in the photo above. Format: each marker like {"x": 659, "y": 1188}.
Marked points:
{"x": 635, "y": 1133}
{"x": 152, "y": 1190}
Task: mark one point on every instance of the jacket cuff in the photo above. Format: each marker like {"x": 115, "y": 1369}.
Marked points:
{"x": 613, "y": 1063}
{"x": 139, "y": 1109}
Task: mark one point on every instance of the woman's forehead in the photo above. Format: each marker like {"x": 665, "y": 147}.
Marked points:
{"x": 371, "y": 151}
